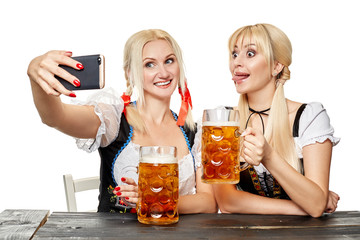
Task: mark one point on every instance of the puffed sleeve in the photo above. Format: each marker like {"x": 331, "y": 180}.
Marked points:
{"x": 108, "y": 106}
{"x": 314, "y": 126}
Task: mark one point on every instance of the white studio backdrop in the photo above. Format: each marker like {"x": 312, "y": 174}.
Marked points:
{"x": 34, "y": 157}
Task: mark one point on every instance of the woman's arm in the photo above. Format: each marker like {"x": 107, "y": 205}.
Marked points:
{"x": 231, "y": 200}
{"x": 201, "y": 202}
{"x": 77, "y": 121}
{"x": 310, "y": 192}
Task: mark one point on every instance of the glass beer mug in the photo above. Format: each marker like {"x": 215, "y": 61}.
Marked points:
{"x": 158, "y": 186}
{"x": 220, "y": 146}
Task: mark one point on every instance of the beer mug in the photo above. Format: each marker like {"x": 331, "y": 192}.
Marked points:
{"x": 221, "y": 146}
{"x": 158, "y": 186}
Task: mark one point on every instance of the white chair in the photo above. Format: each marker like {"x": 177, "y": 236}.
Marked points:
{"x": 78, "y": 185}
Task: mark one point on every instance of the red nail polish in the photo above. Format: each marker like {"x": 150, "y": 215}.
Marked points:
{"x": 77, "y": 83}
{"x": 69, "y": 52}
{"x": 123, "y": 179}
{"x": 79, "y": 66}
{"x": 117, "y": 189}
{"x": 72, "y": 95}
{"x": 118, "y": 193}
{"x": 127, "y": 198}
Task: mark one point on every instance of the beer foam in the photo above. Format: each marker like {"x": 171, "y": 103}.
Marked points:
{"x": 222, "y": 124}
{"x": 168, "y": 159}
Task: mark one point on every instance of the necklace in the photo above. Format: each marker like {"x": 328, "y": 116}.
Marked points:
{"x": 263, "y": 112}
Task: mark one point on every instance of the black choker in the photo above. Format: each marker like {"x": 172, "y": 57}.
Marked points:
{"x": 263, "y": 112}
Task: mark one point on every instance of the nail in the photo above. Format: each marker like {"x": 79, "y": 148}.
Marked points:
{"x": 72, "y": 95}
{"x": 123, "y": 179}
{"x": 79, "y": 66}
{"x": 117, "y": 189}
{"x": 69, "y": 52}
{"x": 118, "y": 193}
{"x": 127, "y": 198}
{"x": 77, "y": 83}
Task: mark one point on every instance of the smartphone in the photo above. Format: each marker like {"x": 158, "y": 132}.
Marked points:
{"x": 92, "y": 76}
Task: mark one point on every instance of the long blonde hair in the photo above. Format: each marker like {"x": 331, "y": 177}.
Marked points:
{"x": 276, "y": 47}
{"x": 133, "y": 67}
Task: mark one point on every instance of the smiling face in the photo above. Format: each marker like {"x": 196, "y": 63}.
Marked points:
{"x": 161, "y": 69}
{"x": 249, "y": 68}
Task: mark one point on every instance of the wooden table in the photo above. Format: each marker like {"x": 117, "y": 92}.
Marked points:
{"x": 65, "y": 225}
{"x": 21, "y": 224}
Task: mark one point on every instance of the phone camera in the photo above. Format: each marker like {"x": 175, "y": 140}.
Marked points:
{"x": 99, "y": 60}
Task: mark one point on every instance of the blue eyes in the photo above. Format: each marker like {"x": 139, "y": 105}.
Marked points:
{"x": 152, "y": 64}
{"x": 149, "y": 65}
{"x": 169, "y": 61}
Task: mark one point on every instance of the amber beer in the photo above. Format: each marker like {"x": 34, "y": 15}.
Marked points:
{"x": 158, "y": 186}
{"x": 220, "y": 146}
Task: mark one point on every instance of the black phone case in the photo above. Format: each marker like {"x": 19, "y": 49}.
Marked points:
{"x": 88, "y": 76}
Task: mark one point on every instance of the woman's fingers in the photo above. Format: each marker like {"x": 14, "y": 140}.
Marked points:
{"x": 132, "y": 199}
{"x": 255, "y": 146}
{"x": 44, "y": 68}
{"x": 127, "y": 191}
{"x": 333, "y": 200}
{"x": 128, "y": 181}
{"x": 62, "y": 59}
{"x": 51, "y": 85}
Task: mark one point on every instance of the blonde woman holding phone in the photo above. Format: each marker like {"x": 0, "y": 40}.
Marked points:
{"x": 117, "y": 127}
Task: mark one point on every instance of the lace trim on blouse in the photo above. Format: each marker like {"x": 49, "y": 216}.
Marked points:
{"x": 108, "y": 107}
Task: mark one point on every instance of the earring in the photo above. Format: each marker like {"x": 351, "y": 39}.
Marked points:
{"x": 274, "y": 74}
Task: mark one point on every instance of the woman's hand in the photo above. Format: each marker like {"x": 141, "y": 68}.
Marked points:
{"x": 333, "y": 199}
{"x": 43, "y": 68}
{"x": 129, "y": 192}
{"x": 255, "y": 146}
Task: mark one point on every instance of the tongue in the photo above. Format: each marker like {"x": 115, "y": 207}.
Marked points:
{"x": 242, "y": 77}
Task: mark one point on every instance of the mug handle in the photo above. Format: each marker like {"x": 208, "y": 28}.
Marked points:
{"x": 243, "y": 166}
{"x": 123, "y": 172}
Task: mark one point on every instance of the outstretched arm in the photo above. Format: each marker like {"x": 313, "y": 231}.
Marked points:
{"x": 77, "y": 121}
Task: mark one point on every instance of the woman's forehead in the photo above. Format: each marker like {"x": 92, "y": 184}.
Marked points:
{"x": 245, "y": 42}
{"x": 156, "y": 47}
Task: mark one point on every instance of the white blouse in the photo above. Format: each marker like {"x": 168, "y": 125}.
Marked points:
{"x": 108, "y": 107}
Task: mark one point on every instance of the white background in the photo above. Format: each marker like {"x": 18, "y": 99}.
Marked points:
{"x": 33, "y": 157}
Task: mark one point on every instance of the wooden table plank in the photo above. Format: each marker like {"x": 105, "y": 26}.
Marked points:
{"x": 21, "y": 224}
{"x": 339, "y": 225}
